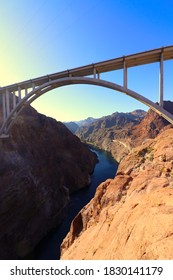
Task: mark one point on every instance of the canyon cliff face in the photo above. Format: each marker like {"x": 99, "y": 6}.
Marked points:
{"x": 131, "y": 216}
{"x": 121, "y": 132}
{"x": 41, "y": 164}
{"x": 111, "y": 133}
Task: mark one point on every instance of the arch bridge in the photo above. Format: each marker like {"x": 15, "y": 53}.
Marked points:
{"x": 16, "y": 97}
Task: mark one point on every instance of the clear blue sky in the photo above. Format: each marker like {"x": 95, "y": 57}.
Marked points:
{"x": 39, "y": 37}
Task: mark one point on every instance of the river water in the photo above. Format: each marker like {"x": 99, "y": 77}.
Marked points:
{"x": 49, "y": 247}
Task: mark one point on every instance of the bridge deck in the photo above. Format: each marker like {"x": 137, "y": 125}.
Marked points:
{"x": 100, "y": 67}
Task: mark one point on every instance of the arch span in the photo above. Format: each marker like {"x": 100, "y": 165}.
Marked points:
{"x": 34, "y": 94}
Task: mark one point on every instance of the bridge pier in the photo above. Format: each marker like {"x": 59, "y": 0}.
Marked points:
{"x": 19, "y": 93}
{"x": 161, "y": 73}
{"x": 124, "y": 74}
{"x": 26, "y": 91}
{"x": 33, "y": 86}
{"x": 94, "y": 73}
{"x": 7, "y": 102}
{"x": 4, "y": 106}
{"x": 14, "y": 100}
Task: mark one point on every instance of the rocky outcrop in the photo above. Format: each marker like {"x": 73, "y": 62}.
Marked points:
{"x": 131, "y": 216}
{"x": 41, "y": 163}
{"x": 150, "y": 126}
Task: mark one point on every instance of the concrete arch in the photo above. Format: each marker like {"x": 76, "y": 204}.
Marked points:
{"x": 34, "y": 94}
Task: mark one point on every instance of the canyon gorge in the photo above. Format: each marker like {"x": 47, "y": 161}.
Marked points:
{"x": 43, "y": 163}
{"x": 130, "y": 216}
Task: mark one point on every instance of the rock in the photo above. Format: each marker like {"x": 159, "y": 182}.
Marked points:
{"x": 41, "y": 164}
{"x": 130, "y": 216}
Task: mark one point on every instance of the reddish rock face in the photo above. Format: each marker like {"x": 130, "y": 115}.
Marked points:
{"x": 150, "y": 126}
{"x": 131, "y": 216}
{"x": 41, "y": 163}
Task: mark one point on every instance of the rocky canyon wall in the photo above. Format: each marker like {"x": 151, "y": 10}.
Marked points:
{"x": 131, "y": 216}
{"x": 119, "y": 133}
{"x": 41, "y": 163}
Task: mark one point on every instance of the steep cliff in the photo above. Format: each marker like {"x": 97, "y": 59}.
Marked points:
{"x": 131, "y": 216}
{"x": 41, "y": 163}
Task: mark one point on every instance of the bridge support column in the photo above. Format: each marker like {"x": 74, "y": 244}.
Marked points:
{"x": 33, "y": 86}
{"x": 26, "y": 91}
{"x": 4, "y": 107}
{"x": 7, "y": 97}
{"x": 161, "y": 81}
{"x": 124, "y": 74}
{"x": 94, "y": 73}
{"x": 6, "y": 111}
{"x": 14, "y": 100}
{"x": 19, "y": 93}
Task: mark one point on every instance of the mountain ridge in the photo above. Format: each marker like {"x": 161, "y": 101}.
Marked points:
{"x": 73, "y": 126}
{"x": 115, "y": 127}
{"x": 120, "y": 132}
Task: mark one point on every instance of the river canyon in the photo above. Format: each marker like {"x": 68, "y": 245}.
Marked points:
{"x": 49, "y": 247}
{"x": 53, "y": 205}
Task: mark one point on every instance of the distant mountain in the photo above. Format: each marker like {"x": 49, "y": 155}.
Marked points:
{"x": 111, "y": 122}
{"x": 119, "y": 133}
{"x": 85, "y": 122}
{"x": 111, "y": 132}
{"x": 139, "y": 113}
{"x": 72, "y": 126}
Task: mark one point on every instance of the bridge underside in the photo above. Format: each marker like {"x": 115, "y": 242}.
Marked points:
{"x": 37, "y": 92}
